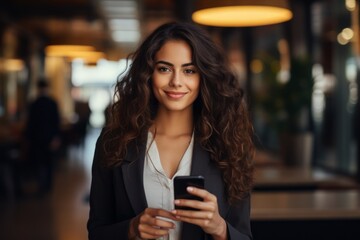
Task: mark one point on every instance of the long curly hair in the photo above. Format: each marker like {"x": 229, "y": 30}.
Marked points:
{"x": 221, "y": 120}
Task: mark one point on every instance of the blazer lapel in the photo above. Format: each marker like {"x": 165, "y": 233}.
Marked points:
{"x": 202, "y": 165}
{"x": 132, "y": 169}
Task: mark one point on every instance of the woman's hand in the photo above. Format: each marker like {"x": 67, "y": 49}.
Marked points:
{"x": 151, "y": 224}
{"x": 206, "y": 216}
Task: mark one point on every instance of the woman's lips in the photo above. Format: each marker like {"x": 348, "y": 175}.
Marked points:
{"x": 175, "y": 95}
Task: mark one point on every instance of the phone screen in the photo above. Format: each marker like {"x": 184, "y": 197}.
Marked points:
{"x": 180, "y": 185}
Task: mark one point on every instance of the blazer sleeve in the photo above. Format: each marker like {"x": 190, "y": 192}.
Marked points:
{"x": 102, "y": 223}
{"x": 238, "y": 220}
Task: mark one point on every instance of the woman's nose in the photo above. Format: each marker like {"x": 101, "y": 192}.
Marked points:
{"x": 175, "y": 80}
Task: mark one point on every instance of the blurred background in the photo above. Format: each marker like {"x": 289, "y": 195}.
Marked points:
{"x": 301, "y": 75}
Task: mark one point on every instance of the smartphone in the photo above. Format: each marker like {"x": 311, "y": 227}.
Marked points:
{"x": 180, "y": 185}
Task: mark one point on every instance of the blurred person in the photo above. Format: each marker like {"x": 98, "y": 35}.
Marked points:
{"x": 180, "y": 111}
{"x": 42, "y": 133}
{"x": 80, "y": 127}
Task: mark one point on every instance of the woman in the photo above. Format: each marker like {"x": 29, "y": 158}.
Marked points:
{"x": 180, "y": 111}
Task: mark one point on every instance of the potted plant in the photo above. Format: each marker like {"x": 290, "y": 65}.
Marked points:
{"x": 285, "y": 101}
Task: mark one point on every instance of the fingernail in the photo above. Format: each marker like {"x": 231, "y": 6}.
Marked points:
{"x": 177, "y": 201}
{"x": 190, "y": 189}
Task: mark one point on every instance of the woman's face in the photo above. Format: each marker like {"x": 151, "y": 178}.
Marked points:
{"x": 175, "y": 81}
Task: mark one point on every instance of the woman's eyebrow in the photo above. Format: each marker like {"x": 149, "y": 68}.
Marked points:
{"x": 170, "y": 64}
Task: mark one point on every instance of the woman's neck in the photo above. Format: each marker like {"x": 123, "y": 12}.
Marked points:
{"x": 173, "y": 123}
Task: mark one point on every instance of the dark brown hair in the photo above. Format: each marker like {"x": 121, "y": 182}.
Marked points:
{"x": 222, "y": 125}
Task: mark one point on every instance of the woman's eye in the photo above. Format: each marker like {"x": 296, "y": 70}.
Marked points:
{"x": 190, "y": 71}
{"x": 163, "y": 69}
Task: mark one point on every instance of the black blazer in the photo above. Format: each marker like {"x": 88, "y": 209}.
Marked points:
{"x": 117, "y": 195}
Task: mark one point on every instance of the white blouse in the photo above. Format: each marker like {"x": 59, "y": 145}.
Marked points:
{"x": 159, "y": 189}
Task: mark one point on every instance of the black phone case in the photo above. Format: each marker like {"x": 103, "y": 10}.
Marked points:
{"x": 180, "y": 185}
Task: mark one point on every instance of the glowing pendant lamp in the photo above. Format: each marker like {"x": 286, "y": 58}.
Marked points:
{"x": 241, "y": 13}
{"x": 71, "y": 52}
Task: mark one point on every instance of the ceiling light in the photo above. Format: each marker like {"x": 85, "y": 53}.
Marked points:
{"x": 88, "y": 57}
{"x": 66, "y": 50}
{"x": 241, "y": 13}
{"x": 350, "y": 5}
{"x": 11, "y": 65}
{"x": 87, "y": 53}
